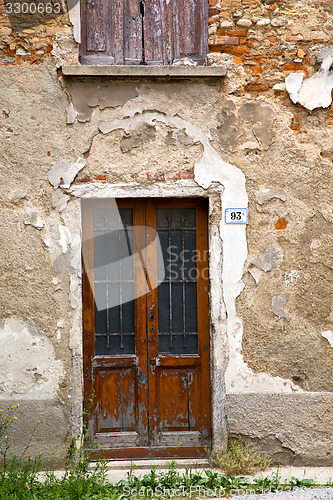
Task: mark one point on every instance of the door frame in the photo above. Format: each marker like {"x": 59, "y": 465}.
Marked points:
{"x": 217, "y": 307}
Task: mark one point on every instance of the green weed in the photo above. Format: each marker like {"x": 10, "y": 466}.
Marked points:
{"x": 21, "y": 477}
{"x": 239, "y": 458}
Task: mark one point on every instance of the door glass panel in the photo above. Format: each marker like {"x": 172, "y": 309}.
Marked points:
{"x": 177, "y": 294}
{"x": 113, "y": 281}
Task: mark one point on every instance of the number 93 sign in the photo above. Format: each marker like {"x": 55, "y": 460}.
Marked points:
{"x": 236, "y": 216}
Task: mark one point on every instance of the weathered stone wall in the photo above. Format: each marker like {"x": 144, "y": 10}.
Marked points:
{"x": 236, "y": 140}
{"x": 270, "y": 39}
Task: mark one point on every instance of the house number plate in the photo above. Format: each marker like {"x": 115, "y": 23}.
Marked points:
{"x": 236, "y": 215}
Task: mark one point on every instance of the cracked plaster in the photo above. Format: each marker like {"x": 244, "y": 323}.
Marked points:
{"x": 208, "y": 170}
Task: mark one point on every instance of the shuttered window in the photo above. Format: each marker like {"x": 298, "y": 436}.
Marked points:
{"x": 152, "y": 32}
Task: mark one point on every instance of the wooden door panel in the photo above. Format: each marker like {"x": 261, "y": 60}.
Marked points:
{"x": 178, "y": 399}
{"x": 173, "y": 399}
{"x": 117, "y": 402}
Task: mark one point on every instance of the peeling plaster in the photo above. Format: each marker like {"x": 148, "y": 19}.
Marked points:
{"x": 29, "y": 367}
{"x": 208, "y": 170}
{"x": 74, "y": 17}
{"x": 63, "y": 173}
{"x": 314, "y": 92}
{"x": 328, "y": 335}
{"x": 34, "y": 219}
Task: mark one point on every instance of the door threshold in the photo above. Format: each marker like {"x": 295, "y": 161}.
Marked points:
{"x": 143, "y": 464}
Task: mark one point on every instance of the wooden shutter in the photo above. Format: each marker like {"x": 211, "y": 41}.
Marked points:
{"x": 153, "y": 32}
{"x": 111, "y": 32}
{"x": 174, "y": 29}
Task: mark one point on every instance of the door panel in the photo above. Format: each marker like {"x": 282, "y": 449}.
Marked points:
{"x": 146, "y": 326}
{"x": 116, "y": 396}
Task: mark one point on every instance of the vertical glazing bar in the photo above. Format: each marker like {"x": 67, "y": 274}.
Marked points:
{"x": 170, "y": 296}
{"x": 183, "y": 280}
{"x": 121, "y": 228}
{"x": 107, "y": 284}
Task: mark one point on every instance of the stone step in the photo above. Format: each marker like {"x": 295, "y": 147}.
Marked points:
{"x": 141, "y": 464}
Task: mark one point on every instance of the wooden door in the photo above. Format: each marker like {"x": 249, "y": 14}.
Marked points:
{"x": 146, "y": 326}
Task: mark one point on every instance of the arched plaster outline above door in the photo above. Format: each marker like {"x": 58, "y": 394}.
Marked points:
{"x": 212, "y": 169}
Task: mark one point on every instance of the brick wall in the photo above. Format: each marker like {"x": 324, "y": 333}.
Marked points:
{"x": 271, "y": 39}
{"x": 31, "y": 42}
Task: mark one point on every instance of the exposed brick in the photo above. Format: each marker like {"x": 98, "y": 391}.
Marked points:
{"x": 238, "y": 59}
{"x": 100, "y": 178}
{"x": 241, "y": 50}
{"x": 225, "y": 40}
{"x": 292, "y": 38}
{"x": 241, "y": 33}
{"x": 10, "y": 52}
{"x": 188, "y": 174}
{"x": 221, "y": 32}
{"x": 250, "y": 44}
{"x": 281, "y": 224}
{"x": 83, "y": 179}
{"x": 256, "y": 69}
{"x": 293, "y": 66}
{"x": 226, "y": 50}
{"x": 257, "y": 87}
{"x": 242, "y": 41}
{"x": 213, "y": 11}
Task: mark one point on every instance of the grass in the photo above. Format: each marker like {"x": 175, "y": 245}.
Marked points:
{"x": 239, "y": 458}
{"x": 21, "y": 478}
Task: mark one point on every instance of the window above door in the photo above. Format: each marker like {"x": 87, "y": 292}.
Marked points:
{"x": 138, "y": 32}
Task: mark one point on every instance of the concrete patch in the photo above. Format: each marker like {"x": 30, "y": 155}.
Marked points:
{"x": 29, "y": 368}
{"x": 270, "y": 259}
{"x": 295, "y": 428}
{"x": 278, "y": 304}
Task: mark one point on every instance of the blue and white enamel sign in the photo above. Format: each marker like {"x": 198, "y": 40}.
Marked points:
{"x": 236, "y": 216}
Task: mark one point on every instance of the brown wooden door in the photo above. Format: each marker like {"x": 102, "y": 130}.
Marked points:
{"x": 146, "y": 326}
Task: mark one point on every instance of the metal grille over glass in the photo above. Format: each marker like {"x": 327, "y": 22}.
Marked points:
{"x": 113, "y": 281}
{"x": 177, "y": 294}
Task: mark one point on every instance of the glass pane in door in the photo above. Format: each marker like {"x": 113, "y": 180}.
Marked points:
{"x": 113, "y": 281}
{"x": 177, "y": 294}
